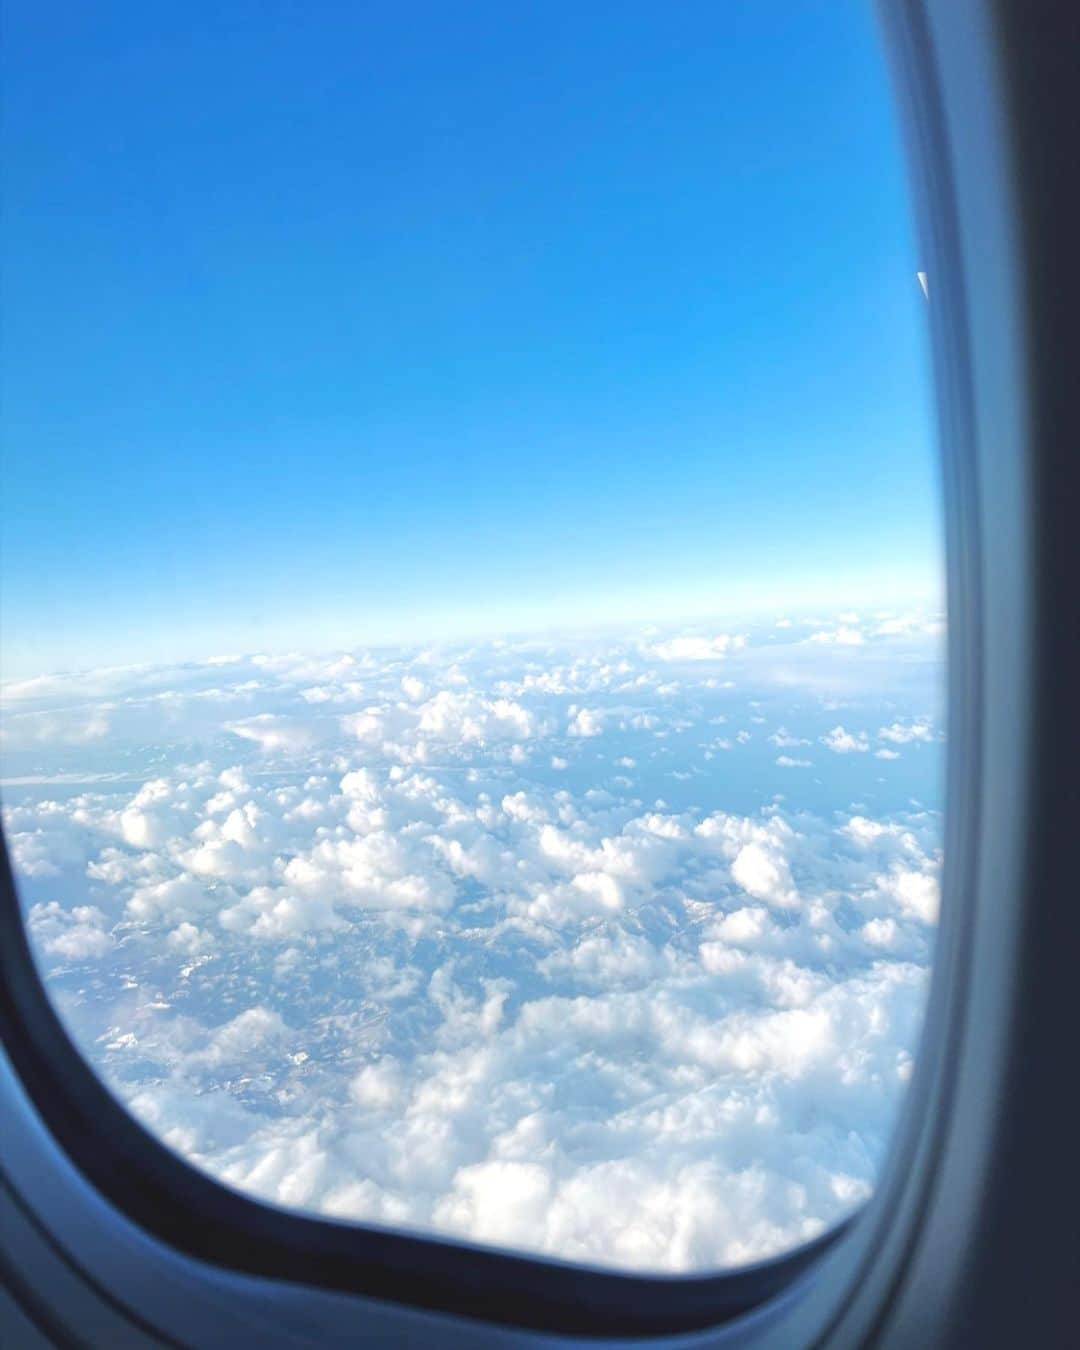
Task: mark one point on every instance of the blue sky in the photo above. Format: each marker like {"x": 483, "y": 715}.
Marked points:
{"x": 328, "y": 324}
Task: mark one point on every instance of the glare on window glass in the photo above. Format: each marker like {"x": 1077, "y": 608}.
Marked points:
{"x": 472, "y": 619}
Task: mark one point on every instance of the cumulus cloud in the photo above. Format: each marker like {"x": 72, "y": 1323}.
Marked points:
{"x": 906, "y": 625}
{"x": 410, "y": 951}
{"x": 697, "y": 648}
{"x": 842, "y": 742}
{"x": 845, "y": 635}
{"x": 586, "y": 722}
{"x": 901, "y": 733}
{"x": 78, "y": 934}
{"x": 783, "y": 739}
{"x": 272, "y": 733}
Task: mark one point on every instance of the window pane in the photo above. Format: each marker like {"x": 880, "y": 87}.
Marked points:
{"x": 472, "y": 605}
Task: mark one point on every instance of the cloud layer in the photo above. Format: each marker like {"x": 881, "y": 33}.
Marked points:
{"x": 507, "y": 941}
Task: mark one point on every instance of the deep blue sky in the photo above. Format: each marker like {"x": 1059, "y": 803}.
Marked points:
{"x": 330, "y": 322}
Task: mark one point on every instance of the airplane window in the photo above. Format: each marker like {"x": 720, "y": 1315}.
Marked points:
{"x": 472, "y": 619}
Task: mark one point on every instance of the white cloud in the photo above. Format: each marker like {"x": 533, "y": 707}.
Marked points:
{"x": 272, "y": 734}
{"x": 916, "y": 893}
{"x": 907, "y": 625}
{"x": 763, "y": 872}
{"x": 842, "y": 742}
{"x": 586, "y": 722}
{"x": 379, "y": 1086}
{"x": 698, "y": 648}
{"x": 499, "y": 1202}
{"x": 78, "y": 934}
{"x": 901, "y": 733}
{"x": 845, "y": 635}
{"x": 176, "y": 899}
{"x": 783, "y": 739}
{"x": 464, "y": 717}
{"x": 186, "y": 937}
